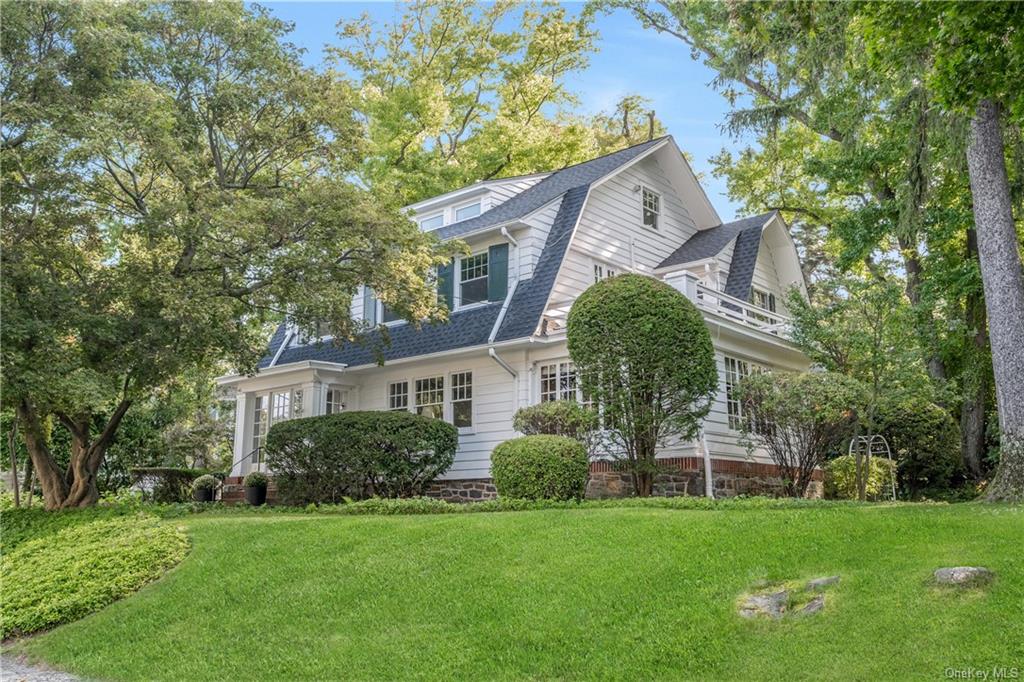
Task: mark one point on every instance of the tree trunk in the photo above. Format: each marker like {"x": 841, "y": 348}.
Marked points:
{"x": 12, "y": 446}
{"x": 976, "y": 382}
{"x": 1003, "y": 278}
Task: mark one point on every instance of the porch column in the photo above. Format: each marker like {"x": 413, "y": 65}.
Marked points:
{"x": 243, "y": 403}
{"x": 313, "y": 399}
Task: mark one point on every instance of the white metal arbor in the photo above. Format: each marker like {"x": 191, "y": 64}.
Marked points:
{"x": 875, "y": 446}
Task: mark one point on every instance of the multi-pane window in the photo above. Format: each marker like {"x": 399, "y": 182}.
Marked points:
{"x": 764, "y": 300}
{"x": 652, "y": 208}
{"x": 398, "y": 395}
{"x": 280, "y": 406}
{"x": 432, "y": 222}
{"x": 467, "y": 211}
{"x": 735, "y": 372}
{"x": 558, "y": 382}
{"x": 462, "y": 399}
{"x": 259, "y": 427}
{"x": 602, "y": 271}
{"x": 430, "y": 397}
{"x": 473, "y": 279}
{"x": 335, "y": 401}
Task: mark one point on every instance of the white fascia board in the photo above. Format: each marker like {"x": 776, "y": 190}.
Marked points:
{"x": 235, "y": 379}
{"x": 481, "y": 348}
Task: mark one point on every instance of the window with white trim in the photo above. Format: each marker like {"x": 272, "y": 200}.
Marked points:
{"x": 735, "y": 371}
{"x": 558, "y": 382}
{"x": 280, "y": 406}
{"x": 398, "y": 396}
{"x": 763, "y": 299}
{"x": 259, "y": 427}
{"x": 651, "y": 208}
{"x": 469, "y": 211}
{"x": 602, "y": 271}
{"x": 430, "y": 397}
{"x": 473, "y": 279}
{"x": 462, "y": 399}
{"x": 432, "y": 222}
{"x": 335, "y": 401}
{"x": 387, "y": 314}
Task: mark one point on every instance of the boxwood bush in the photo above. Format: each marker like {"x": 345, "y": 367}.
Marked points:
{"x": 559, "y": 418}
{"x": 62, "y": 576}
{"x": 540, "y": 467}
{"x": 358, "y": 454}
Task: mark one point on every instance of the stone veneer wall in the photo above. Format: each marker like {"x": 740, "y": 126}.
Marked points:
{"x": 469, "y": 490}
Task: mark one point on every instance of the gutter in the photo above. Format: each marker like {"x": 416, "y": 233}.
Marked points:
{"x": 504, "y": 309}
{"x": 284, "y": 344}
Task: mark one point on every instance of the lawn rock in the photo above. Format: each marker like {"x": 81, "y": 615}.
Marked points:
{"x": 776, "y": 601}
{"x": 772, "y": 605}
{"x": 821, "y": 583}
{"x": 813, "y": 606}
{"x": 964, "y": 576}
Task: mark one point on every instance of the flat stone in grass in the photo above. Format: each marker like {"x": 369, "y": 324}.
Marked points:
{"x": 772, "y": 605}
{"x": 821, "y": 583}
{"x": 964, "y": 576}
{"x": 793, "y": 598}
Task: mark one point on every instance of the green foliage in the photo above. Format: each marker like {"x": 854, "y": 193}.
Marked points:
{"x": 624, "y": 335}
{"x": 540, "y": 467}
{"x": 799, "y": 419}
{"x": 256, "y": 479}
{"x": 559, "y": 418}
{"x": 357, "y": 454}
{"x": 62, "y": 576}
{"x": 204, "y": 482}
{"x": 925, "y": 440}
{"x": 841, "y": 478}
{"x": 169, "y": 484}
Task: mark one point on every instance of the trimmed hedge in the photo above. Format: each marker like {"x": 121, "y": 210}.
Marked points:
{"x": 558, "y": 418}
{"x": 358, "y": 454}
{"x": 60, "y": 577}
{"x": 540, "y": 467}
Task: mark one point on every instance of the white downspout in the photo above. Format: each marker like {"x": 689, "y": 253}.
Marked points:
{"x": 709, "y": 486}
{"x": 501, "y": 315}
{"x": 284, "y": 344}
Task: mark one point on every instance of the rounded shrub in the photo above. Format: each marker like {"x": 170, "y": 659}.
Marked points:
{"x": 841, "y": 478}
{"x": 540, "y": 467}
{"x": 61, "y": 577}
{"x": 557, "y": 418}
{"x": 925, "y": 440}
{"x": 358, "y": 454}
{"x": 204, "y": 482}
{"x": 256, "y": 479}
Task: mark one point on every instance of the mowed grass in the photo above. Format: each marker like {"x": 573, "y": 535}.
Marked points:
{"x": 567, "y": 594}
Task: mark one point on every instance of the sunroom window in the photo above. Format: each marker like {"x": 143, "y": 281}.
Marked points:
{"x": 473, "y": 279}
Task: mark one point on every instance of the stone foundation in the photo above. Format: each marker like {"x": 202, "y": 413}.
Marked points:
{"x": 469, "y": 490}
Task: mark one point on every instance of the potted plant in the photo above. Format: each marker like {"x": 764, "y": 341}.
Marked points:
{"x": 203, "y": 487}
{"x": 256, "y": 488}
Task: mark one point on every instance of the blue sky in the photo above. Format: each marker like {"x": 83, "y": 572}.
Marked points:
{"x": 630, "y": 60}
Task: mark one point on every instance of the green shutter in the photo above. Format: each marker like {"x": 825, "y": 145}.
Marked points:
{"x": 497, "y": 272}
{"x": 446, "y": 283}
{"x": 369, "y": 306}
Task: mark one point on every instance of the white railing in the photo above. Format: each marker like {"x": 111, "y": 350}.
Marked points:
{"x": 731, "y": 307}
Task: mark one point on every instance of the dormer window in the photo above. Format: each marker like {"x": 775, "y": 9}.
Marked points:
{"x": 651, "y": 208}
{"x": 432, "y": 222}
{"x": 473, "y": 279}
{"x": 468, "y": 211}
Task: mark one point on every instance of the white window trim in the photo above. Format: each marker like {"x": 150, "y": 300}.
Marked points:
{"x": 450, "y": 408}
{"x": 455, "y": 208}
{"x": 752, "y": 367}
{"x": 409, "y": 388}
{"x": 457, "y": 281}
{"x": 658, "y": 213}
{"x": 447, "y": 411}
{"x": 431, "y": 216}
{"x": 413, "y": 398}
{"x": 606, "y": 267}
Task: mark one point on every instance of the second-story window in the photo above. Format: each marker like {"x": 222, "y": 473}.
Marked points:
{"x": 432, "y": 222}
{"x": 469, "y": 211}
{"x": 764, "y": 300}
{"x": 651, "y": 208}
{"x": 473, "y": 279}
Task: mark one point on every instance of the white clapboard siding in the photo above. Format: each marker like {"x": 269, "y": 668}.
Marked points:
{"x": 501, "y": 192}
{"x": 533, "y": 239}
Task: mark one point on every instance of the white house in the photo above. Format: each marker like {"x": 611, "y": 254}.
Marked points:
{"x": 537, "y": 242}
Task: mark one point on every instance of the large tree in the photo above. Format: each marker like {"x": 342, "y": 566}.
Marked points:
{"x": 173, "y": 176}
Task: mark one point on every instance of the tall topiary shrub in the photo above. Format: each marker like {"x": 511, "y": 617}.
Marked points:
{"x": 358, "y": 454}
{"x": 925, "y": 440}
{"x": 540, "y": 468}
{"x": 644, "y": 354}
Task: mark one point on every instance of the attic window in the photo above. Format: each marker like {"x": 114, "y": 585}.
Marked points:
{"x": 764, "y": 300}
{"x": 473, "y": 279}
{"x": 432, "y": 222}
{"x": 469, "y": 211}
{"x": 652, "y": 208}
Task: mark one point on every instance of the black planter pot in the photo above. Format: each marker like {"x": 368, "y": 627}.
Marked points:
{"x": 255, "y": 495}
{"x": 203, "y": 495}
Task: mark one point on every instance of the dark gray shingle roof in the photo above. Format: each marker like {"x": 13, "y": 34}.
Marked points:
{"x": 710, "y": 242}
{"x": 472, "y": 327}
{"x": 546, "y": 191}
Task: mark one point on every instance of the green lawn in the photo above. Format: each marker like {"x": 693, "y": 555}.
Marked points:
{"x": 591, "y": 593}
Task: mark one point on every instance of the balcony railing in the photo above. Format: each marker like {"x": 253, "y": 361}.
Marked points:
{"x": 733, "y": 308}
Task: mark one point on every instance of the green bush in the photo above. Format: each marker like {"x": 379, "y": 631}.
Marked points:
{"x": 62, "y": 576}
{"x": 925, "y": 440}
{"x": 540, "y": 467}
{"x": 558, "y": 418}
{"x": 841, "y": 478}
{"x": 170, "y": 484}
{"x": 204, "y": 482}
{"x": 358, "y": 454}
{"x": 256, "y": 479}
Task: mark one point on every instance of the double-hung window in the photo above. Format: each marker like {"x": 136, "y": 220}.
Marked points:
{"x": 335, "y": 400}
{"x": 430, "y": 397}
{"x": 558, "y": 382}
{"x": 462, "y": 399}
{"x": 398, "y": 396}
{"x": 473, "y": 279}
{"x": 259, "y": 427}
{"x": 735, "y": 372}
{"x": 651, "y": 208}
